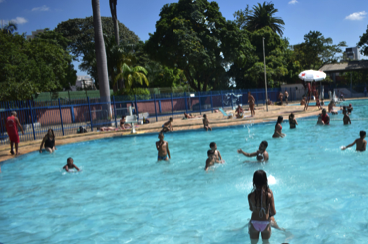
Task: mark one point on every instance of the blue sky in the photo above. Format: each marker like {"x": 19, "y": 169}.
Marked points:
{"x": 339, "y": 19}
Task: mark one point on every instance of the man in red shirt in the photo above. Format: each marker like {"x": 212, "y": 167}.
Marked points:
{"x": 325, "y": 117}
{"x": 12, "y": 124}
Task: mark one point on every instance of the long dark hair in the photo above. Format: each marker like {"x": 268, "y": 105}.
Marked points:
{"x": 259, "y": 181}
{"x": 53, "y": 135}
{"x": 291, "y": 117}
{"x": 279, "y": 120}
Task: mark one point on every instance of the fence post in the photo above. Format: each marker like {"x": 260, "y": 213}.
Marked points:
{"x": 116, "y": 123}
{"x": 30, "y": 108}
{"x": 172, "y": 105}
{"x": 61, "y": 117}
{"x": 231, "y": 98}
{"x": 211, "y": 101}
{"x": 222, "y": 100}
{"x": 186, "y": 105}
{"x": 199, "y": 99}
{"x": 90, "y": 115}
{"x": 154, "y": 99}
{"x": 136, "y": 106}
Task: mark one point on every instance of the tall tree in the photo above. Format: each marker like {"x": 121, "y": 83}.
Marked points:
{"x": 132, "y": 75}
{"x": 262, "y": 16}
{"x": 363, "y": 43}
{"x": 101, "y": 56}
{"x": 10, "y": 28}
{"x": 194, "y": 36}
{"x": 114, "y": 16}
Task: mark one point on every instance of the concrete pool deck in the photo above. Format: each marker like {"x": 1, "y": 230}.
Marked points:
{"x": 216, "y": 120}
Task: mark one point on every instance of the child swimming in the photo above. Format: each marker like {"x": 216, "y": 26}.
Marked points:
{"x": 361, "y": 144}
{"x": 346, "y": 118}
{"x": 261, "y": 153}
{"x": 70, "y": 165}
{"x": 215, "y": 152}
{"x": 292, "y": 121}
{"x": 162, "y": 148}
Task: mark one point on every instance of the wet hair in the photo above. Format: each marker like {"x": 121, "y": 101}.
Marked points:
{"x": 279, "y": 120}
{"x": 265, "y": 143}
{"x": 52, "y": 132}
{"x": 69, "y": 159}
{"x": 259, "y": 181}
{"x": 209, "y": 153}
{"x": 291, "y": 116}
{"x": 362, "y": 133}
{"x": 161, "y": 133}
{"x": 171, "y": 119}
{"x": 212, "y": 144}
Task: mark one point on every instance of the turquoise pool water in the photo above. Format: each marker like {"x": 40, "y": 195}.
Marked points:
{"x": 123, "y": 195}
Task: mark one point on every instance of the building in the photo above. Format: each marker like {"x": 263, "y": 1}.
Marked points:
{"x": 352, "y": 53}
{"x": 84, "y": 82}
{"x": 34, "y": 33}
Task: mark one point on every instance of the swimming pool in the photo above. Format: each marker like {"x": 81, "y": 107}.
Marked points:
{"x": 123, "y": 195}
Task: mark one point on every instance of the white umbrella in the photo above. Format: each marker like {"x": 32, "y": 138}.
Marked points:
{"x": 312, "y": 75}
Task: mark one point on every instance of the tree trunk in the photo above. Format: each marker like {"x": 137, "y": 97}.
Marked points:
{"x": 103, "y": 76}
{"x": 113, "y": 4}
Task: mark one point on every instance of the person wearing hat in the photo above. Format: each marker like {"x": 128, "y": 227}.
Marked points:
{"x": 12, "y": 124}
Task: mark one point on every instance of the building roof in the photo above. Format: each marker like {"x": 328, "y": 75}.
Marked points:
{"x": 347, "y": 66}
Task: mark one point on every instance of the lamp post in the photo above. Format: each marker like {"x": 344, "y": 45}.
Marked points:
{"x": 264, "y": 63}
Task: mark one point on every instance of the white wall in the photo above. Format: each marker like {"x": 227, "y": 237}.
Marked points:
{"x": 297, "y": 91}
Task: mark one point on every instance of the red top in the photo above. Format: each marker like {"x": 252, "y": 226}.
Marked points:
{"x": 12, "y": 129}
{"x": 325, "y": 120}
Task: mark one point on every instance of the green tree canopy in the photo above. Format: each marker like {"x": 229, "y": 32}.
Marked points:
{"x": 193, "y": 36}
{"x": 363, "y": 43}
{"x": 30, "y": 67}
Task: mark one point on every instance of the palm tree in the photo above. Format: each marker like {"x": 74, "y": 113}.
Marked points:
{"x": 130, "y": 75}
{"x": 113, "y": 4}
{"x": 262, "y": 16}
{"x": 9, "y": 28}
{"x": 101, "y": 56}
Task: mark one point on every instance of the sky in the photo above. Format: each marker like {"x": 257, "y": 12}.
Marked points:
{"x": 341, "y": 20}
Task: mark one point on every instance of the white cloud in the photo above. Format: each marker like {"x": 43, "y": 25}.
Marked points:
{"x": 293, "y": 2}
{"x": 42, "y": 8}
{"x": 356, "y": 16}
{"x": 1, "y": 1}
{"x": 19, "y": 20}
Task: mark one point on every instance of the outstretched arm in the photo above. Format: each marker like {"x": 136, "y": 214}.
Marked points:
{"x": 247, "y": 154}
{"x": 350, "y": 145}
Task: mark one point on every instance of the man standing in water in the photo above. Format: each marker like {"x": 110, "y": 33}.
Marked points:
{"x": 261, "y": 153}
{"x": 251, "y": 102}
{"x": 325, "y": 118}
{"x": 162, "y": 148}
{"x": 12, "y": 124}
{"x": 361, "y": 144}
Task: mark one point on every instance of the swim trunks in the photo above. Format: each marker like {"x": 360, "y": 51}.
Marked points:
{"x": 162, "y": 157}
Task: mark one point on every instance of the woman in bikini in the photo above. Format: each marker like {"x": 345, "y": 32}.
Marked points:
{"x": 278, "y": 128}
{"x": 262, "y": 205}
{"x": 49, "y": 141}
{"x": 292, "y": 121}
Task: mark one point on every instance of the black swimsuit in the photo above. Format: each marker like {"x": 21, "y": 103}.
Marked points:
{"x": 49, "y": 143}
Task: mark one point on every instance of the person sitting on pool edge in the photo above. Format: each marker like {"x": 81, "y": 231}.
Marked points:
{"x": 361, "y": 144}
{"x": 261, "y": 153}
{"x": 346, "y": 118}
{"x": 292, "y": 121}
{"x": 123, "y": 125}
{"x": 239, "y": 112}
{"x": 167, "y": 126}
{"x": 215, "y": 152}
{"x": 162, "y": 148}
{"x": 206, "y": 123}
{"x": 325, "y": 118}
{"x": 70, "y": 165}
{"x": 262, "y": 204}
{"x": 49, "y": 141}
{"x": 278, "y": 128}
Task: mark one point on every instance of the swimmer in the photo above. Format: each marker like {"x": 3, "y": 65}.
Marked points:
{"x": 168, "y": 126}
{"x": 350, "y": 108}
{"x": 211, "y": 160}
{"x": 70, "y": 165}
{"x": 215, "y": 152}
{"x": 325, "y": 118}
{"x": 162, "y": 148}
{"x": 123, "y": 125}
{"x": 346, "y": 118}
{"x": 292, "y": 121}
{"x": 261, "y": 153}
{"x": 206, "y": 123}
{"x": 361, "y": 144}
{"x": 239, "y": 112}
{"x": 49, "y": 141}
{"x": 331, "y": 109}
{"x": 278, "y": 128}
{"x": 319, "y": 121}
{"x": 262, "y": 204}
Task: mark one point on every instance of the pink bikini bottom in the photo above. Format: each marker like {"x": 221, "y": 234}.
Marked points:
{"x": 260, "y": 225}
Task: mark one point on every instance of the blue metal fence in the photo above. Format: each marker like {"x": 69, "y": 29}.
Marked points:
{"x": 67, "y": 116}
